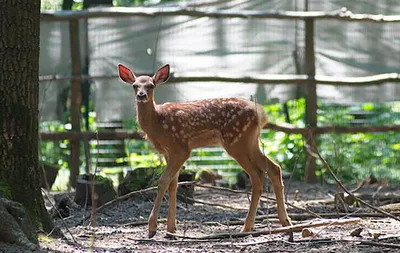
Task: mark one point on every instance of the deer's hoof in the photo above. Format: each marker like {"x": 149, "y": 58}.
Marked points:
{"x": 288, "y": 222}
{"x": 246, "y": 229}
{"x": 152, "y": 234}
{"x": 170, "y": 236}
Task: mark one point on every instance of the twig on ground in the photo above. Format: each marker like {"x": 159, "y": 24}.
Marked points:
{"x": 304, "y": 216}
{"x": 213, "y": 204}
{"x": 247, "y": 244}
{"x": 294, "y": 228}
{"x": 318, "y": 155}
{"x": 265, "y": 198}
{"x": 220, "y": 188}
{"x": 137, "y": 223}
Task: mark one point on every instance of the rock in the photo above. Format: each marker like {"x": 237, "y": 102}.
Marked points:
{"x": 63, "y": 203}
{"x": 186, "y": 191}
{"x": 307, "y": 232}
{"x": 16, "y": 226}
{"x": 356, "y": 232}
{"x": 138, "y": 179}
{"x": 104, "y": 190}
{"x": 207, "y": 176}
{"x": 242, "y": 181}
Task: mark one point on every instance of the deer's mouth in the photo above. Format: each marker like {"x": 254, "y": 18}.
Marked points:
{"x": 141, "y": 100}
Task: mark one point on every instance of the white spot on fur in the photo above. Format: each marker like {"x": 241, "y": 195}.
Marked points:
{"x": 173, "y": 128}
{"x": 165, "y": 126}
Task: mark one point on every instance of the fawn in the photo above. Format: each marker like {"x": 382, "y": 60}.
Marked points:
{"x": 175, "y": 129}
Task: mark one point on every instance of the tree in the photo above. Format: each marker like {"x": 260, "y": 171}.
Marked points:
{"x": 20, "y": 173}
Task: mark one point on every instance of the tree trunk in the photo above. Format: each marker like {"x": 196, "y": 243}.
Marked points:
{"x": 19, "y": 91}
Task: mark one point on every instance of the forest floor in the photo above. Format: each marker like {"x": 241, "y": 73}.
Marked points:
{"x": 122, "y": 227}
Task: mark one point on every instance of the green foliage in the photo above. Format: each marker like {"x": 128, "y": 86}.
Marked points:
{"x": 54, "y": 152}
{"x": 357, "y": 156}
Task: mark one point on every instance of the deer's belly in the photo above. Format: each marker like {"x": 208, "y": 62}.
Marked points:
{"x": 208, "y": 138}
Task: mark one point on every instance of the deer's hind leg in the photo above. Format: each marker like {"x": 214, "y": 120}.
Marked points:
{"x": 242, "y": 156}
{"x": 274, "y": 173}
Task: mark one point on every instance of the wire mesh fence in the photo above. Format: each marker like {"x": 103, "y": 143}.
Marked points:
{"x": 230, "y": 53}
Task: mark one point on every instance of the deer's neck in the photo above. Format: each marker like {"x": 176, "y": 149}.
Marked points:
{"x": 147, "y": 116}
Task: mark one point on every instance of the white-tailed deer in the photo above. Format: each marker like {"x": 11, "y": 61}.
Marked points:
{"x": 175, "y": 129}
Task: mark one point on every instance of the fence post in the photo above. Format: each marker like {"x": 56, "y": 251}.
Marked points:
{"x": 76, "y": 99}
{"x": 311, "y": 98}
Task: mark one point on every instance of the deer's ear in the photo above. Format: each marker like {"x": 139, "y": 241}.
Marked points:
{"x": 162, "y": 75}
{"x": 126, "y": 74}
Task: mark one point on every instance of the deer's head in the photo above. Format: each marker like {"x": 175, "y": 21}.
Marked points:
{"x": 143, "y": 85}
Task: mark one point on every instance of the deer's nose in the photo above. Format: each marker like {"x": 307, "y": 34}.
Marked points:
{"x": 141, "y": 96}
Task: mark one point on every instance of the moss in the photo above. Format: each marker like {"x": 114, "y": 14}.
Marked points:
{"x": 5, "y": 190}
{"x": 187, "y": 171}
{"x": 101, "y": 179}
{"x": 45, "y": 238}
{"x": 104, "y": 180}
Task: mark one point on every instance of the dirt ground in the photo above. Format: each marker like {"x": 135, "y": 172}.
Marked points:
{"x": 122, "y": 227}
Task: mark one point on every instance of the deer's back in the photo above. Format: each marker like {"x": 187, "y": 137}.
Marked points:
{"x": 211, "y": 121}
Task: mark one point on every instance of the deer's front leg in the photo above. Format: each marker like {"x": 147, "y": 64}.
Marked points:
{"x": 174, "y": 163}
{"x": 172, "y": 190}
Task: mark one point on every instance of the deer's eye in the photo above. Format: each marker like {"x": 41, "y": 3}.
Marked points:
{"x": 135, "y": 86}
{"x": 150, "y": 86}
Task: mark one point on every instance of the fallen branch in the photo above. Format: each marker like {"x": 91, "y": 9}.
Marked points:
{"x": 304, "y": 216}
{"x": 168, "y": 241}
{"x": 318, "y": 155}
{"x": 381, "y": 244}
{"x": 294, "y": 228}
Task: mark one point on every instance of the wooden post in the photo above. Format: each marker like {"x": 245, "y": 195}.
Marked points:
{"x": 311, "y": 99}
{"x": 76, "y": 99}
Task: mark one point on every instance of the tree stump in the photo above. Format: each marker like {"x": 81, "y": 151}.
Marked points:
{"x": 103, "y": 187}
